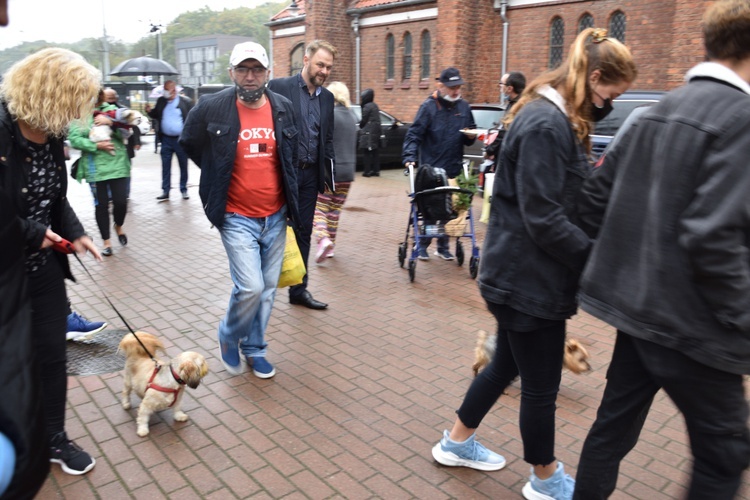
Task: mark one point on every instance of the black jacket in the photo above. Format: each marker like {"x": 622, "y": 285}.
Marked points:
{"x": 209, "y": 138}
{"x": 533, "y": 251}
{"x": 156, "y": 112}
{"x": 671, "y": 262}
{"x": 289, "y": 88}
{"x": 14, "y": 172}
{"x": 435, "y": 137}
{"x": 369, "y": 135}
{"x": 21, "y": 414}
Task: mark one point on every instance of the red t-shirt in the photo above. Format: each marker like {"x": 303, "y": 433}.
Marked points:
{"x": 256, "y": 188}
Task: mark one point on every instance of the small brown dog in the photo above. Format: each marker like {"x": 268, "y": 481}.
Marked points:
{"x": 575, "y": 358}
{"x": 160, "y": 385}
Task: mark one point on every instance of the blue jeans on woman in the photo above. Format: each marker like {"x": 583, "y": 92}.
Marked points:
{"x": 536, "y": 356}
{"x": 255, "y": 249}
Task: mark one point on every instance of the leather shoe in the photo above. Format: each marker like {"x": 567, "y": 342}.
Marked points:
{"x": 307, "y": 300}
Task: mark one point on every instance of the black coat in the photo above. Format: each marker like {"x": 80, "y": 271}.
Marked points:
{"x": 21, "y": 417}
{"x": 289, "y": 88}
{"x": 369, "y": 135}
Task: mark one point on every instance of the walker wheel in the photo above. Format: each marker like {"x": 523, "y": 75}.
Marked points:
{"x": 459, "y": 253}
{"x": 401, "y": 254}
{"x": 473, "y": 267}
{"x": 412, "y": 270}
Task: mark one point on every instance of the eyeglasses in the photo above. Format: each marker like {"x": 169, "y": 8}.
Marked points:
{"x": 501, "y": 84}
{"x": 243, "y": 70}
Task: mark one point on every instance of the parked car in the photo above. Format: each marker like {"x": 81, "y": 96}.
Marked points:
{"x": 605, "y": 129}
{"x": 629, "y": 121}
{"x": 394, "y": 131}
{"x": 487, "y": 117}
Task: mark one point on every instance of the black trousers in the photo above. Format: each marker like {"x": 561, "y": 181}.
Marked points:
{"x": 119, "y": 189}
{"x": 712, "y": 402}
{"x": 49, "y": 312}
{"x": 537, "y": 357}
{"x": 307, "y": 183}
{"x": 371, "y": 159}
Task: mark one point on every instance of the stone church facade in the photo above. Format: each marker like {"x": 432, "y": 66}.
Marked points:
{"x": 398, "y": 47}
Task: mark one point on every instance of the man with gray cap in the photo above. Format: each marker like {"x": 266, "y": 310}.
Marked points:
{"x": 244, "y": 140}
{"x": 436, "y": 138}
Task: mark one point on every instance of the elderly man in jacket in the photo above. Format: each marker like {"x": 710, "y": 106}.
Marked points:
{"x": 244, "y": 140}
{"x": 436, "y": 138}
{"x": 169, "y": 117}
{"x": 670, "y": 268}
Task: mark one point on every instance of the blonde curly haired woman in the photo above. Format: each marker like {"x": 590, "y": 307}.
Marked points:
{"x": 534, "y": 253}
{"x": 40, "y": 95}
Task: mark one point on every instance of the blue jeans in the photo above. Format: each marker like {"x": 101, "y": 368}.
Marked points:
{"x": 255, "y": 249}
{"x": 169, "y": 146}
{"x": 712, "y": 402}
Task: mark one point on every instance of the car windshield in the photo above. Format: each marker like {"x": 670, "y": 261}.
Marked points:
{"x": 487, "y": 118}
{"x": 613, "y": 121}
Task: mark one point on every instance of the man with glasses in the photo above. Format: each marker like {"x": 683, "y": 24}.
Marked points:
{"x": 244, "y": 140}
{"x": 169, "y": 116}
{"x": 511, "y": 86}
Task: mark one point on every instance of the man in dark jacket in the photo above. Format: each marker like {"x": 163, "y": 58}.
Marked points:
{"x": 670, "y": 268}
{"x": 436, "y": 138}
{"x": 244, "y": 140}
{"x": 512, "y": 86}
{"x": 313, "y": 109}
{"x": 169, "y": 116}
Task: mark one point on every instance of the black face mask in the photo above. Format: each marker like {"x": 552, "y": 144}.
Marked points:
{"x": 249, "y": 95}
{"x": 597, "y": 113}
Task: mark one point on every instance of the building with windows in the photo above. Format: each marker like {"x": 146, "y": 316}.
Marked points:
{"x": 398, "y": 47}
{"x": 197, "y": 57}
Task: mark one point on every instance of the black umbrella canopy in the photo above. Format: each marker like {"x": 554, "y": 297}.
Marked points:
{"x": 143, "y": 66}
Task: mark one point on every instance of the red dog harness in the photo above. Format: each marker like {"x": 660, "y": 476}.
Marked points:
{"x": 156, "y": 387}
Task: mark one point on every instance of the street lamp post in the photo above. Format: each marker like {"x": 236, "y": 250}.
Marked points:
{"x": 156, "y": 28}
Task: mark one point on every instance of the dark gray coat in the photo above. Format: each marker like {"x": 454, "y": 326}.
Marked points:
{"x": 671, "y": 262}
{"x": 344, "y": 142}
{"x": 534, "y": 252}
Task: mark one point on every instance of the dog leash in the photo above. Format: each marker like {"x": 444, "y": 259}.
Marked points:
{"x": 67, "y": 247}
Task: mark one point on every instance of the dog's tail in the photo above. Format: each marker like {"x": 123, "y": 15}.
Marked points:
{"x": 131, "y": 347}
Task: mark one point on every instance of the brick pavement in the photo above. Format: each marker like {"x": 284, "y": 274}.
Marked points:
{"x": 363, "y": 390}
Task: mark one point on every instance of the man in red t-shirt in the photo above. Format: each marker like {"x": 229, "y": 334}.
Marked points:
{"x": 244, "y": 140}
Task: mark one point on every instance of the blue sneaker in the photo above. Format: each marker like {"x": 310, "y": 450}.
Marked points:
{"x": 559, "y": 486}
{"x": 230, "y": 358}
{"x": 79, "y": 328}
{"x": 261, "y": 367}
{"x": 466, "y": 454}
{"x": 423, "y": 255}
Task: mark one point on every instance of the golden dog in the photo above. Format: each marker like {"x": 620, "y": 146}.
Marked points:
{"x": 160, "y": 385}
{"x": 575, "y": 357}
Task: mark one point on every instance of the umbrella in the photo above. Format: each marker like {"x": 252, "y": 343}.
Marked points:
{"x": 157, "y": 91}
{"x": 143, "y": 66}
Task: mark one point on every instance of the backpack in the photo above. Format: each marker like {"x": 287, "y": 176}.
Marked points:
{"x": 435, "y": 206}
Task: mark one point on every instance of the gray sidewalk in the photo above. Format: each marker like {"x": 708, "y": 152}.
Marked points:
{"x": 363, "y": 390}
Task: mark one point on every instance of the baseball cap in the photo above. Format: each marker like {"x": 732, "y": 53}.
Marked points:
{"x": 450, "y": 77}
{"x": 248, "y": 50}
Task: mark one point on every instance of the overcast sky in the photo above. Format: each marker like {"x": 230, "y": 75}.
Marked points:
{"x": 66, "y": 21}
